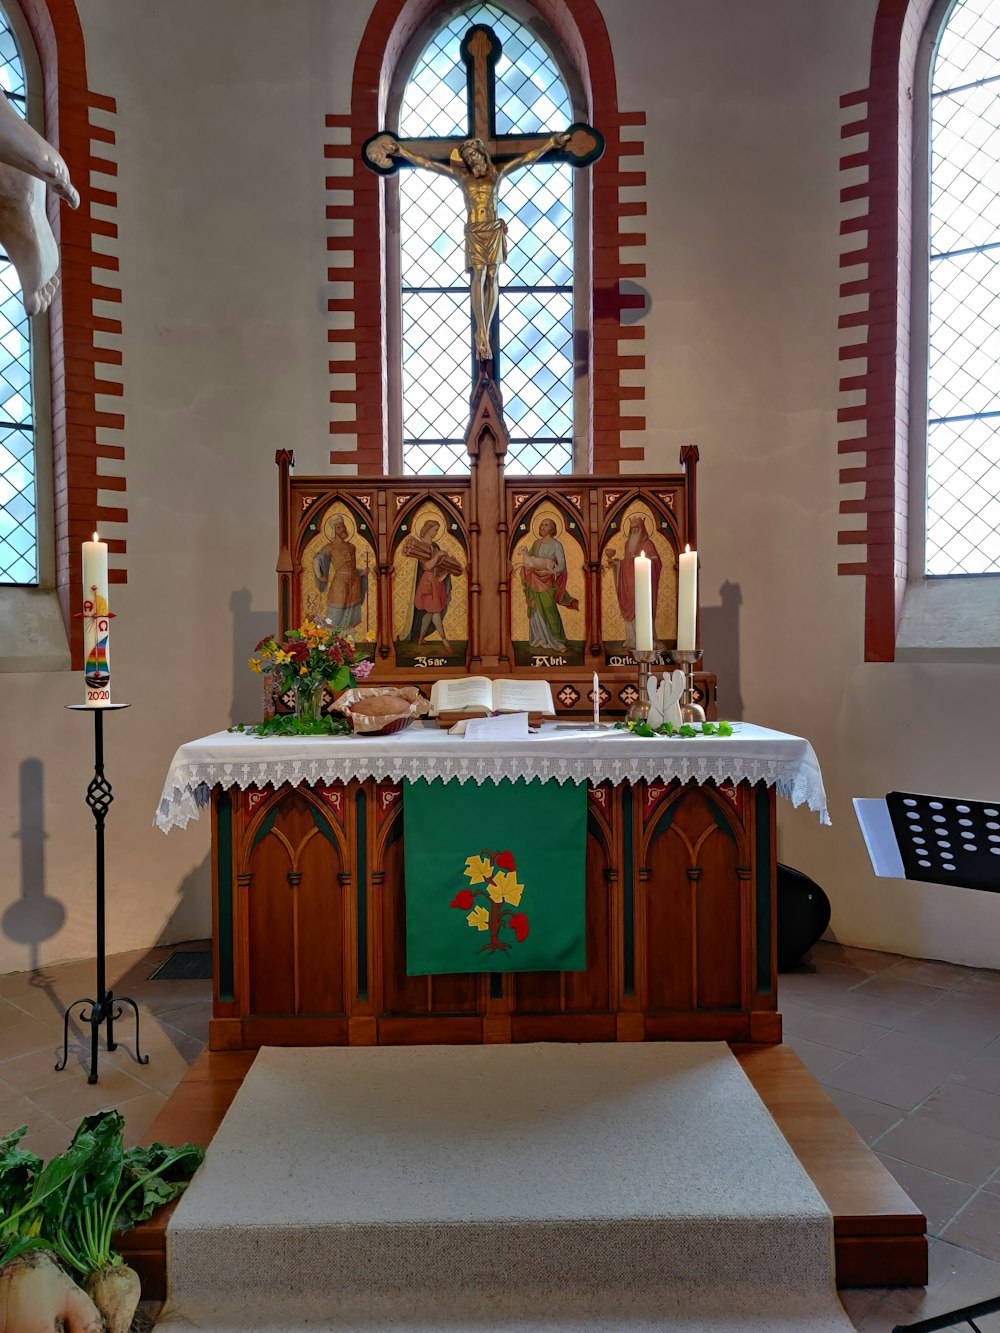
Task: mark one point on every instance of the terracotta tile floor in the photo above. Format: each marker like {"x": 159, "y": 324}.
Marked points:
{"x": 909, "y": 1050}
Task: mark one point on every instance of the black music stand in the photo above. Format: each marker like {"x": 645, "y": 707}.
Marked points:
{"x": 936, "y": 840}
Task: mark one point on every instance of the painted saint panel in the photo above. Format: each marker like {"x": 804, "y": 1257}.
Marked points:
{"x": 430, "y": 593}
{"x": 636, "y": 530}
{"x": 548, "y": 589}
{"x": 339, "y": 574}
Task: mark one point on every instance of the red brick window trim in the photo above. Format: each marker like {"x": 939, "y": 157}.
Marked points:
{"x": 84, "y": 330}
{"x": 357, "y": 331}
{"x": 876, "y": 229}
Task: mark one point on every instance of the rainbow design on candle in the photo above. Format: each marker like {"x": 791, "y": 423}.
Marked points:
{"x": 97, "y": 618}
{"x": 96, "y": 670}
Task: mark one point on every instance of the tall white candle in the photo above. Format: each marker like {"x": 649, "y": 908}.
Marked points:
{"x": 687, "y": 599}
{"x": 643, "y": 604}
{"x": 96, "y": 624}
{"x": 597, "y": 701}
{"x": 95, "y": 576}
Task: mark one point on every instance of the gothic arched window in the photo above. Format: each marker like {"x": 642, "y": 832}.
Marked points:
{"x": 18, "y": 505}
{"x": 535, "y": 336}
{"x": 963, "y": 393}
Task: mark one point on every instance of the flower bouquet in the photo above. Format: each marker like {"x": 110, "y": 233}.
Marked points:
{"x": 307, "y": 661}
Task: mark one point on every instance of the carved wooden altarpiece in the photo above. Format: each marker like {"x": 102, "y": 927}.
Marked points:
{"x": 488, "y": 525}
{"x": 309, "y": 902}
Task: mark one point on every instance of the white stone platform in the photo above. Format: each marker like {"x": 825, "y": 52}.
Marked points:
{"x": 599, "y": 1187}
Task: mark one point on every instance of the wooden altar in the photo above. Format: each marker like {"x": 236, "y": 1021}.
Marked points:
{"x": 309, "y": 925}
{"x": 309, "y": 909}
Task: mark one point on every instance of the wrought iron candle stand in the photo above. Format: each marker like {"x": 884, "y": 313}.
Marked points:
{"x": 691, "y": 710}
{"x": 107, "y": 1007}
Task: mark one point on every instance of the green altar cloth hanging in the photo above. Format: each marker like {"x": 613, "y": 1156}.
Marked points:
{"x": 494, "y": 876}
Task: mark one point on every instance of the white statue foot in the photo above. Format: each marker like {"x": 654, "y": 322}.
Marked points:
{"x": 23, "y": 148}
{"x": 27, "y": 238}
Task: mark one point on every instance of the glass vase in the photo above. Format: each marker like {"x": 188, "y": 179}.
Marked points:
{"x": 308, "y": 699}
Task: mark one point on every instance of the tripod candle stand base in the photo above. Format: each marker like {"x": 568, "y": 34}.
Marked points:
{"x": 107, "y": 1007}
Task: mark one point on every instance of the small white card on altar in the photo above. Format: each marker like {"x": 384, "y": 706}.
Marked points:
{"x": 503, "y": 727}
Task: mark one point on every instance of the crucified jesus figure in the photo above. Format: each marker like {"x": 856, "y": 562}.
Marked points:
{"x": 27, "y": 166}
{"x": 472, "y": 169}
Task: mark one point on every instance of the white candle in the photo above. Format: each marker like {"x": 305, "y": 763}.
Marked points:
{"x": 96, "y": 624}
{"x": 95, "y": 577}
{"x": 687, "y": 600}
{"x": 597, "y": 701}
{"x": 643, "y": 604}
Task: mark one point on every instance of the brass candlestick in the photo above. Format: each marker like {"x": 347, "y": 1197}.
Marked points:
{"x": 639, "y": 711}
{"x": 686, "y": 658}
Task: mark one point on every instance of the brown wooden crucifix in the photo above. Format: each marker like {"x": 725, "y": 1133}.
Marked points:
{"x": 477, "y": 163}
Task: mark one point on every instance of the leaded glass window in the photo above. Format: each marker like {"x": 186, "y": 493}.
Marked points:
{"x": 536, "y": 293}
{"x": 963, "y": 431}
{"x": 18, "y": 527}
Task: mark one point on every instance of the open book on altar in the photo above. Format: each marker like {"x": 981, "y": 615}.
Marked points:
{"x": 479, "y": 696}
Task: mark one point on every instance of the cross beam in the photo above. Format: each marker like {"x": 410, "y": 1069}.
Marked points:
{"x": 481, "y": 49}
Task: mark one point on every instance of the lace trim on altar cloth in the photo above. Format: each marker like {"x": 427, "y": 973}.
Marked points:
{"x": 188, "y": 788}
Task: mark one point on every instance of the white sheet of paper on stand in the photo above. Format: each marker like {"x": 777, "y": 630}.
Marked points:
{"x": 503, "y": 727}
{"x": 880, "y": 837}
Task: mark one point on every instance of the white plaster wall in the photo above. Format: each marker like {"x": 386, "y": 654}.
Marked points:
{"x": 223, "y": 270}
{"x": 742, "y": 148}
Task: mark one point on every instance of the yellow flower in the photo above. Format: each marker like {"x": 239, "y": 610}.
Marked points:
{"x": 370, "y": 636}
{"x": 505, "y": 887}
{"x": 281, "y": 657}
{"x": 478, "y": 869}
{"x": 255, "y": 665}
{"x": 479, "y": 918}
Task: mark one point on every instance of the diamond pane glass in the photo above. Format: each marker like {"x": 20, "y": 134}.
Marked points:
{"x": 963, "y": 440}
{"x": 536, "y": 308}
{"x": 536, "y": 370}
{"x": 531, "y": 95}
{"x": 18, "y": 529}
{"x": 537, "y": 204}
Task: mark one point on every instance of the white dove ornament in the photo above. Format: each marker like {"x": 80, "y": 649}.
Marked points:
{"x": 669, "y": 697}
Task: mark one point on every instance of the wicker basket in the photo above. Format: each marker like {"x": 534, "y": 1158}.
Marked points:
{"x": 387, "y": 724}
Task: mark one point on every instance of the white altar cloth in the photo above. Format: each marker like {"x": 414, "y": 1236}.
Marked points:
{"x": 234, "y": 759}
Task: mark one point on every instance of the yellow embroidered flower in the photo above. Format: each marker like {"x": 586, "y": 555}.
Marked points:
{"x": 479, "y": 918}
{"x": 478, "y": 869}
{"x": 505, "y": 887}
{"x": 255, "y": 665}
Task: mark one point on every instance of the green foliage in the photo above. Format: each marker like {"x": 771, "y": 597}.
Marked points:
{"x": 25, "y": 1191}
{"x": 287, "y": 724}
{"x": 686, "y": 731}
{"x": 76, "y": 1203}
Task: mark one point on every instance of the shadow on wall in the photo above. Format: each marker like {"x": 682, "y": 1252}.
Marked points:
{"x": 249, "y": 627}
{"x": 34, "y": 917}
{"x": 720, "y": 640}
{"x": 192, "y": 916}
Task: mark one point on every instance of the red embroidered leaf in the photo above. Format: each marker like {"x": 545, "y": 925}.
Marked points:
{"x": 519, "y": 925}
{"x": 462, "y": 899}
{"x": 505, "y": 860}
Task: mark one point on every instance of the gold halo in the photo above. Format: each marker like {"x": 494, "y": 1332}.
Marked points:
{"x": 548, "y": 518}
{"x": 332, "y": 518}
